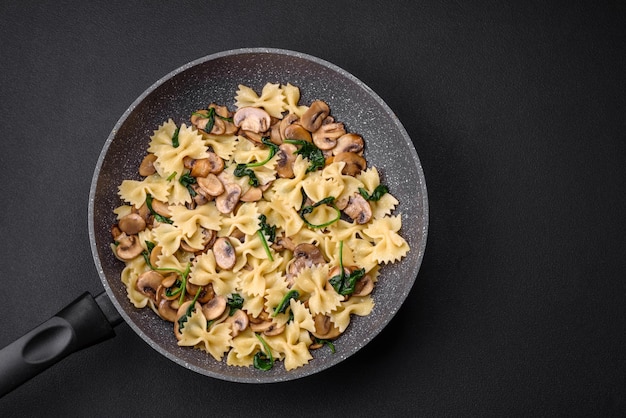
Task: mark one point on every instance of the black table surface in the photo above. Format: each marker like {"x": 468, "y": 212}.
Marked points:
{"x": 518, "y": 113}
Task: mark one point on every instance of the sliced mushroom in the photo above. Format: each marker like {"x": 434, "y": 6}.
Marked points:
{"x": 358, "y": 209}
{"x": 208, "y": 238}
{"x": 146, "y": 168}
{"x": 274, "y": 330}
{"x": 161, "y": 208}
{"x": 201, "y": 167}
{"x": 216, "y": 164}
{"x": 312, "y": 119}
{"x": 252, "y": 119}
{"x": 214, "y": 308}
{"x": 354, "y": 163}
{"x": 143, "y": 211}
{"x": 211, "y": 185}
{"x": 167, "y": 309}
{"x": 283, "y": 243}
{"x": 364, "y": 286}
{"x": 325, "y": 138}
{"x": 128, "y": 247}
{"x": 238, "y": 322}
{"x": 155, "y": 254}
{"x": 225, "y": 256}
{"x": 226, "y": 202}
{"x": 324, "y": 328}
{"x": 116, "y": 232}
{"x": 305, "y": 255}
{"x": 297, "y": 132}
{"x": 261, "y": 326}
{"x": 132, "y": 223}
{"x": 284, "y": 161}
{"x": 349, "y": 143}
{"x": 148, "y": 283}
{"x": 253, "y": 194}
{"x": 285, "y": 122}
{"x": 254, "y": 137}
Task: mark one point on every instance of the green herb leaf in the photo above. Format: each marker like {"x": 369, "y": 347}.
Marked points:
{"x": 327, "y": 343}
{"x": 309, "y": 151}
{"x": 263, "y": 361}
{"x": 269, "y": 230}
{"x": 234, "y": 302}
{"x": 242, "y": 170}
{"x": 265, "y": 246}
{"x": 146, "y": 253}
{"x": 284, "y": 303}
{"x": 345, "y": 284}
{"x": 187, "y": 180}
{"x": 378, "y": 192}
{"x": 273, "y": 150}
{"x": 175, "y": 142}
{"x": 158, "y": 217}
{"x": 307, "y": 209}
{"x": 190, "y": 309}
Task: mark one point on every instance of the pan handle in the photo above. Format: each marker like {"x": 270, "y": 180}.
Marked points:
{"x": 84, "y": 322}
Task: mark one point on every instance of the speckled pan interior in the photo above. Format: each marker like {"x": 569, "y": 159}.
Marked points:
{"x": 215, "y": 79}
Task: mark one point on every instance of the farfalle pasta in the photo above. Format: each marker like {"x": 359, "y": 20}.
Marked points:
{"x": 257, "y": 231}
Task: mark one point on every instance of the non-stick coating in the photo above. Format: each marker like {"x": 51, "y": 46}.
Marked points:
{"x": 215, "y": 78}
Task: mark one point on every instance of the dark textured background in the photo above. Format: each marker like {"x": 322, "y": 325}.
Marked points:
{"x": 518, "y": 113}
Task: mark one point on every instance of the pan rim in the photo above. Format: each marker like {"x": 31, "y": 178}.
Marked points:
{"x": 228, "y": 53}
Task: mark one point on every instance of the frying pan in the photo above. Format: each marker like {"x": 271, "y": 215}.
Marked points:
{"x": 215, "y": 78}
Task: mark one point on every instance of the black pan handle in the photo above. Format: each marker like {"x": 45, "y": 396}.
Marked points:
{"x": 84, "y": 322}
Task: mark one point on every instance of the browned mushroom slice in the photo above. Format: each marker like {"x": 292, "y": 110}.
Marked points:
{"x": 312, "y": 119}
{"x": 132, "y": 223}
{"x": 155, "y": 254}
{"x": 225, "y": 256}
{"x": 253, "y": 194}
{"x": 325, "y": 138}
{"x": 211, "y": 185}
{"x": 167, "y": 309}
{"x": 364, "y": 286}
{"x": 284, "y": 161}
{"x": 349, "y": 143}
{"x": 214, "y": 308}
{"x": 285, "y": 122}
{"x": 255, "y": 137}
{"x": 128, "y": 247}
{"x": 354, "y": 163}
{"x": 238, "y": 322}
{"x": 161, "y": 208}
{"x": 148, "y": 283}
{"x": 324, "y": 328}
{"x": 296, "y": 131}
{"x": 146, "y": 168}
{"x": 358, "y": 209}
{"x": 200, "y": 168}
{"x": 305, "y": 255}
{"x": 226, "y": 202}
{"x": 252, "y": 119}
{"x": 274, "y": 330}
{"x": 216, "y": 164}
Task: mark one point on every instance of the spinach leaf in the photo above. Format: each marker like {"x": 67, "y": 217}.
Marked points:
{"x": 234, "y": 302}
{"x": 307, "y": 209}
{"x": 175, "y": 142}
{"x": 378, "y": 192}
{"x": 242, "y": 170}
{"x": 263, "y": 361}
{"x": 309, "y": 151}
{"x": 284, "y": 303}
{"x": 187, "y": 180}
{"x": 344, "y": 284}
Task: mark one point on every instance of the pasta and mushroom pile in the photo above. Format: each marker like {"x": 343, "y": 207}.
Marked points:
{"x": 257, "y": 232}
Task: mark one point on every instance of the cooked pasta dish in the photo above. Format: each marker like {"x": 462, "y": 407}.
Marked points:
{"x": 257, "y": 231}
